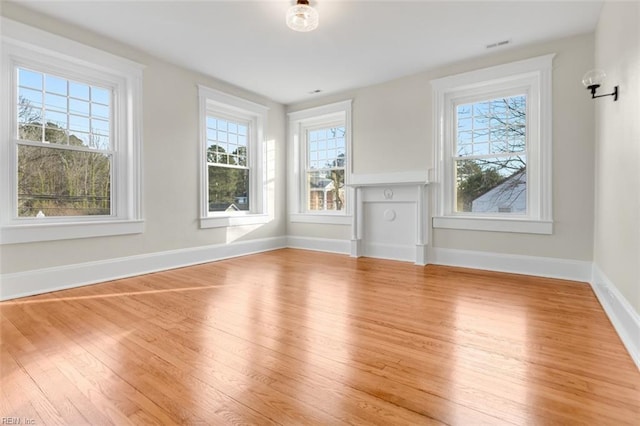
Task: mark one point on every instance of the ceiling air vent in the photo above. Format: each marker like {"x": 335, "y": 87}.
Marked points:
{"x": 498, "y": 43}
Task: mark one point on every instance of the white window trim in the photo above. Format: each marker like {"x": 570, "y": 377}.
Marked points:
{"x": 23, "y": 45}
{"x": 535, "y": 74}
{"x": 298, "y": 122}
{"x": 216, "y": 102}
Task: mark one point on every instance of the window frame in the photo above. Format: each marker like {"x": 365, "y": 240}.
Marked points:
{"x": 451, "y": 173}
{"x": 27, "y": 47}
{"x": 250, "y": 124}
{"x": 300, "y": 122}
{"x": 304, "y": 151}
{"x": 531, "y": 77}
{"x": 222, "y": 105}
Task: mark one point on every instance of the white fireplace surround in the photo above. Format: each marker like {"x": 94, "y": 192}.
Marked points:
{"x": 390, "y": 220}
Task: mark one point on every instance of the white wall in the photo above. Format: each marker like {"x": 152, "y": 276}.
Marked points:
{"x": 392, "y": 131}
{"x": 617, "y": 180}
{"x": 170, "y": 161}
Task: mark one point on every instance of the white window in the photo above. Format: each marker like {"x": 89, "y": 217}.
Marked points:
{"x": 325, "y": 166}
{"x": 70, "y": 141}
{"x": 232, "y": 172}
{"x": 493, "y": 147}
{"x": 320, "y": 146}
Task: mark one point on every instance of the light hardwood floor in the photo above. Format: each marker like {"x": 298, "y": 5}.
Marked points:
{"x": 297, "y": 337}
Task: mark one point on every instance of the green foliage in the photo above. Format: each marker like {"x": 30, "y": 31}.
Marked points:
{"x": 473, "y": 181}
{"x": 228, "y": 186}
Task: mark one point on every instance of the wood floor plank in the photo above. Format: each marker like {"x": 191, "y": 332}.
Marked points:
{"x": 147, "y": 371}
{"x": 297, "y": 337}
{"x": 291, "y": 348}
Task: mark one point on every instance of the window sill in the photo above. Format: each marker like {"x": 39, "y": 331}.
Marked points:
{"x": 34, "y": 232}
{"x": 226, "y": 221}
{"x": 494, "y": 224}
{"x": 329, "y": 219}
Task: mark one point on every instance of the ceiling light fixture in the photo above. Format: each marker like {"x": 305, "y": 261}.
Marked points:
{"x": 302, "y": 17}
{"x": 593, "y": 79}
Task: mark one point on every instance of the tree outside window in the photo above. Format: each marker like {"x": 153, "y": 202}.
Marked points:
{"x": 63, "y": 146}
{"x": 490, "y": 160}
{"x": 227, "y": 162}
{"x": 326, "y": 151}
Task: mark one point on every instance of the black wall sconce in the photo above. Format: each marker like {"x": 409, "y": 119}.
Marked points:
{"x": 592, "y": 80}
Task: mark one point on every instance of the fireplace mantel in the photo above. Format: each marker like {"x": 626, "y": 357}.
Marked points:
{"x": 414, "y": 177}
{"x": 391, "y": 216}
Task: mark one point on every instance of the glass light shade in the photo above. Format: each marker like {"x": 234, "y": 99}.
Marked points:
{"x": 302, "y": 17}
{"x": 593, "y": 78}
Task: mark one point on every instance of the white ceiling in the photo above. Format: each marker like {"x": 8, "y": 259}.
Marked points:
{"x": 358, "y": 43}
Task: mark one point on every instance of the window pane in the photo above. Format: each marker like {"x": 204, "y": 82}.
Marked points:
{"x": 480, "y": 136}
{"x": 80, "y": 139}
{"x": 492, "y": 185}
{"x": 56, "y": 134}
{"x": 228, "y": 189}
{"x": 67, "y": 117}
{"x": 101, "y": 111}
{"x": 30, "y": 132}
{"x": 480, "y": 121}
{"x": 492, "y": 127}
{"x": 99, "y": 95}
{"x": 79, "y": 107}
{"x": 61, "y": 182}
{"x": 99, "y": 142}
{"x": 78, "y": 90}
{"x": 56, "y": 119}
{"x": 226, "y": 145}
{"x": 325, "y": 190}
{"x": 100, "y": 127}
{"x": 241, "y": 153}
{"x": 322, "y": 144}
{"x": 499, "y": 109}
{"x": 464, "y": 124}
{"x": 79, "y": 123}
{"x": 55, "y": 102}
{"x": 28, "y": 98}
{"x": 216, "y": 154}
{"x": 481, "y": 109}
{"x": 28, "y": 78}
{"x": 464, "y": 111}
{"x": 56, "y": 85}
{"x": 480, "y": 148}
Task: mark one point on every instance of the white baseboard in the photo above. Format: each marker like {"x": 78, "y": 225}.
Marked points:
{"x": 389, "y": 251}
{"x": 624, "y": 318}
{"x": 576, "y": 270}
{"x": 320, "y": 244}
{"x": 45, "y": 280}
